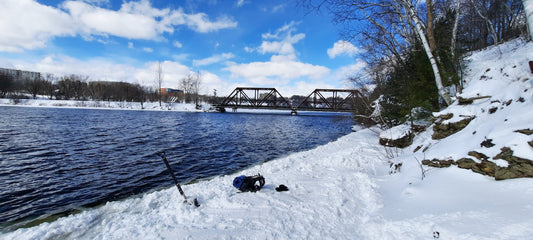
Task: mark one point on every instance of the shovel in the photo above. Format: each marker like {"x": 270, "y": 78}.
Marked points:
{"x": 195, "y": 201}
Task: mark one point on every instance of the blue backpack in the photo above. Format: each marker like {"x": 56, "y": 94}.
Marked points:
{"x": 249, "y": 183}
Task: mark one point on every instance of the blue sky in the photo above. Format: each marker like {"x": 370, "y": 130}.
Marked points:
{"x": 253, "y": 43}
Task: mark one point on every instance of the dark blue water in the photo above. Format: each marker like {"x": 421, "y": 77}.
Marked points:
{"x": 54, "y": 161}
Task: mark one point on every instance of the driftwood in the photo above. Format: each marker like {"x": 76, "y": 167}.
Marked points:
{"x": 466, "y": 101}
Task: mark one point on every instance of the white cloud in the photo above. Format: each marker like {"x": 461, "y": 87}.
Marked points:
{"x": 278, "y": 8}
{"x": 280, "y": 70}
{"x": 105, "y": 70}
{"x": 200, "y": 23}
{"x": 249, "y": 49}
{"x": 351, "y": 69}
{"x": 177, "y": 44}
{"x": 26, "y": 24}
{"x": 240, "y": 3}
{"x": 303, "y": 88}
{"x": 281, "y": 41}
{"x": 283, "y": 66}
{"x": 98, "y": 2}
{"x": 342, "y": 47}
{"x": 148, "y": 50}
{"x": 130, "y": 45}
{"x": 124, "y": 23}
{"x": 182, "y": 57}
{"x": 213, "y": 59}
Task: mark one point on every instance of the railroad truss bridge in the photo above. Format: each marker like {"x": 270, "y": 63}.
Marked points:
{"x": 325, "y": 100}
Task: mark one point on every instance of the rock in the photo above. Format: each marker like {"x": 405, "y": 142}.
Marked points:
{"x": 417, "y": 148}
{"x": 478, "y": 155}
{"x": 505, "y": 154}
{"x": 418, "y": 128}
{"x": 466, "y": 163}
{"x": 517, "y": 168}
{"x": 402, "y": 142}
{"x": 438, "y": 163}
{"x": 487, "y": 168}
{"x": 525, "y": 131}
{"x": 441, "y": 131}
{"x": 400, "y": 136}
{"x": 443, "y": 117}
{"x": 487, "y": 143}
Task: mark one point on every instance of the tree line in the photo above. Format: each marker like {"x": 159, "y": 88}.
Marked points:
{"x": 78, "y": 87}
{"x": 415, "y": 48}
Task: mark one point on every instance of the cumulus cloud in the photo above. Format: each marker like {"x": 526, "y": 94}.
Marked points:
{"x": 280, "y": 42}
{"x": 177, "y": 44}
{"x": 342, "y": 47}
{"x": 283, "y": 66}
{"x": 277, "y": 71}
{"x": 213, "y": 59}
{"x": 126, "y": 23}
{"x": 27, "y": 24}
{"x": 347, "y": 71}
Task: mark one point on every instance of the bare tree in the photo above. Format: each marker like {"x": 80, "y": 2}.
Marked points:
{"x": 159, "y": 79}
{"x": 6, "y": 83}
{"x": 395, "y": 21}
{"x": 455, "y": 27}
{"x": 186, "y": 86}
{"x": 197, "y": 82}
{"x": 191, "y": 87}
{"x": 34, "y": 86}
{"x": 73, "y": 86}
{"x": 48, "y": 85}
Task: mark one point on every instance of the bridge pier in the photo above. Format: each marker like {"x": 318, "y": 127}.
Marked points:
{"x": 294, "y": 112}
{"x": 220, "y": 109}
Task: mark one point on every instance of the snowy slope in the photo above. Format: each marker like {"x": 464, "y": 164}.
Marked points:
{"x": 501, "y": 72}
{"x": 345, "y": 189}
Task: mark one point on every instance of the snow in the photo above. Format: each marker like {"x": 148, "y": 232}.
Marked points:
{"x": 396, "y": 132}
{"x": 42, "y": 101}
{"x": 347, "y": 189}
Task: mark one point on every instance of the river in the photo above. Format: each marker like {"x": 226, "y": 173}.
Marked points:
{"x": 55, "y": 161}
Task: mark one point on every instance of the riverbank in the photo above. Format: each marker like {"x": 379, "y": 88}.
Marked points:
{"x": 342, "y": 190}
{"x": 146, "y": 106}
{"x": 351, "y": 188}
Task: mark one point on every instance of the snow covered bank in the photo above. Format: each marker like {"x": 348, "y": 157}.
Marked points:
{"x": 338, "y": 191}
{"x": 347, "y": 189}
{"x": 329, "y": 196}
{"x": 154, "y": 106}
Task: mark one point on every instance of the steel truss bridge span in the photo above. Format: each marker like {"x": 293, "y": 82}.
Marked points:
{"x": 325, "y": 100}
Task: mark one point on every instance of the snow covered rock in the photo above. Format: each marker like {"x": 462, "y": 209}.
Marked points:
{"x": 400, "y": 136}
{"x": 443, "y": 129}
{"x": 487, "y": 130}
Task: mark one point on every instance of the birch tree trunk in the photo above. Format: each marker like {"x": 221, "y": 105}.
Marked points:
{"x": 430, "y": 27}
{"x": 420, "y": 31}
{"x": 455, "y": 27}
{"x": 528, "y": 9}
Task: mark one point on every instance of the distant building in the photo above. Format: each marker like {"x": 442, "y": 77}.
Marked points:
{"x": 19, "y": 75}
{"x": 171, "y": 92}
